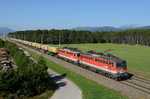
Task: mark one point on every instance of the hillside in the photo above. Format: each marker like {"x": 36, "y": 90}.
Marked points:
{"x": 94, "y": 29}
{"x": 5, "y": 30}
{"x": 110, "y": 28}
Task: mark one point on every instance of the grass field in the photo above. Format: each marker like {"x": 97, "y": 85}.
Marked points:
{"x": 137, "y": 57}
{"x": 90, "y": 89}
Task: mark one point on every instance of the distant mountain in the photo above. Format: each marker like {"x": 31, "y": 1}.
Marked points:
{"x": 109, "y": 28}
{"x": 132, "y": 26}
{"x": 94, "y": 29}
{"x": 5, "y": 30}
{"x": 145, "y": 27}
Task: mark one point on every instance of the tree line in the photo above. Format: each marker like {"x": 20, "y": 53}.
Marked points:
{"x": 29, "y": 79}
{"x": 135, "y": 36}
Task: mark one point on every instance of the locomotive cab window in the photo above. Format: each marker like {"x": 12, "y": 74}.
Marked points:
{"x": 118, "y": 65}
{"x": 106, "y": 62}
{"x": 111, "y": 64}
{"x": 78, "y": 54}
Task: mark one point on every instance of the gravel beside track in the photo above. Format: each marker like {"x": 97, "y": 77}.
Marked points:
{"x": 126, "y": 88}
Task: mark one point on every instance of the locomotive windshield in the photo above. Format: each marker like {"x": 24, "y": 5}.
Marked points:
{"x": 121, "y": 64}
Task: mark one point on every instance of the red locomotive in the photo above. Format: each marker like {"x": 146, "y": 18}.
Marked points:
{"x": 70, "y": 54}
{"x": 107, "y": 65}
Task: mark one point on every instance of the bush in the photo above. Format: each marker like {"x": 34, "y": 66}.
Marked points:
{"x": 28, "y": 79}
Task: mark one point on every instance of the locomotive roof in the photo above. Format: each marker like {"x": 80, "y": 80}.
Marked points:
{"x": 103, "y": 56}
{"x": 71, "y": 49}
{"x": 94, "y": 54}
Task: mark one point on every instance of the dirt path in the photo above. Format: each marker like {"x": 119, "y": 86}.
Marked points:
{"x": 66, "y": 89}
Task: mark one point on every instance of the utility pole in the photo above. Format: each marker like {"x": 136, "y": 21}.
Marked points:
{"x": 35, "y": 38}
{"x": 23, "y": 37}
{"x": 41, "y": 38}
{"x": 59, "y": 40}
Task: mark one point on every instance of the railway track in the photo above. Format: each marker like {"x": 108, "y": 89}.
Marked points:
{"x": 141, "y": 79}
{"x": 134, "y": 88}
{"x": 138, "y": 83}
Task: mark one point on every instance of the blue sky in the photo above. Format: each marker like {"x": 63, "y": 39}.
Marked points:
{"x": 65, "y": 14}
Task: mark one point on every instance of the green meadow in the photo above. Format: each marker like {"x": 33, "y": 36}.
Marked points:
{"x": 137, "y": 57}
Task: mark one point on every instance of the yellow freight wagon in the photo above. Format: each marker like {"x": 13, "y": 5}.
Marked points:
{"x": 30, "y": 43}
{"x": 34, "y": 44}
{"x": 44, "y": 47}
{"x": 38, "y": 45}
{"x": 26, "y": 42}
{"x": 21, "y": 41}
{"x": 17, "y": 40}
{"x": 53, "y": 49}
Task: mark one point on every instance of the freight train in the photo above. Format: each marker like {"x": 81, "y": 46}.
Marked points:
{"x": 108, "y": 65}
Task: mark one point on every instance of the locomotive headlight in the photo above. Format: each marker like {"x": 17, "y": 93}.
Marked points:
{"x": 122, "y": 71}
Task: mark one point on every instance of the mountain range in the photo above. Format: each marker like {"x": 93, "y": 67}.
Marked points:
{"x": 5, "y": 30}
{"x": 110, "y": 28}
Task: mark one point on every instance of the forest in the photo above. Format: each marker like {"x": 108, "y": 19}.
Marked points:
{"x": 28, "y": 79}
{"x": 133, "y": 37}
